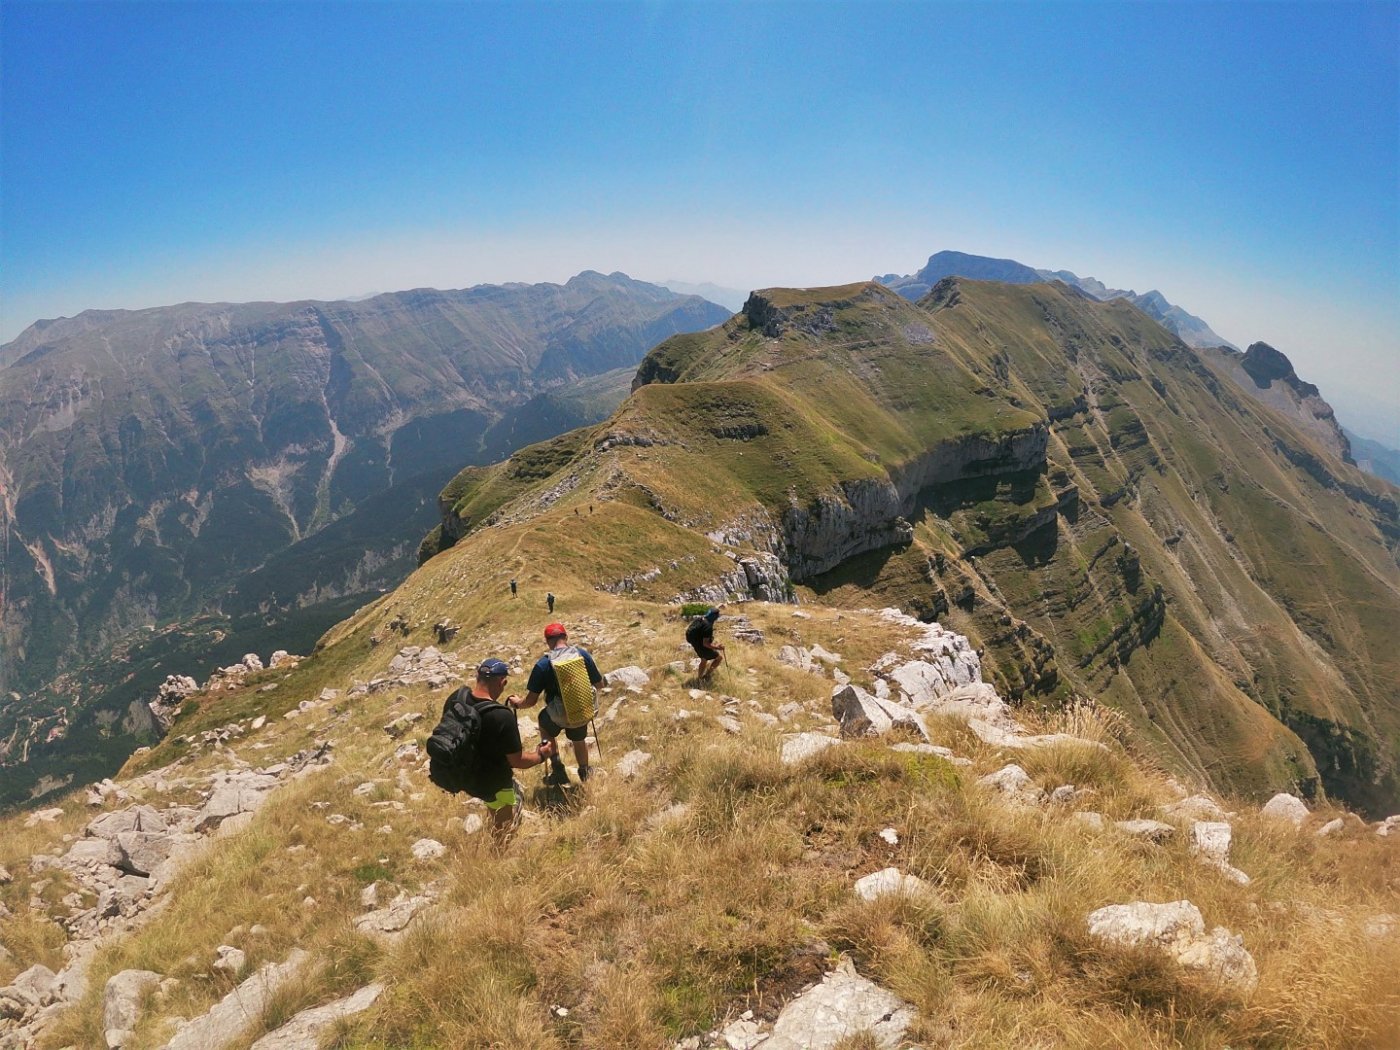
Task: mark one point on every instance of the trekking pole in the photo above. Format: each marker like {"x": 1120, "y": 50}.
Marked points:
{"x": 594, "y": 723}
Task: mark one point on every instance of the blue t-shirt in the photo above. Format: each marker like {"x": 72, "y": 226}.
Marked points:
{"x": 544, "y": 681}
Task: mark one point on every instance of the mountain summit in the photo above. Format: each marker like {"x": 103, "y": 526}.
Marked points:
{"x": 1190, "y": 329}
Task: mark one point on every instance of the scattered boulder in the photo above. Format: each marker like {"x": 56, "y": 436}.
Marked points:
{"x": 632, "y": 763}
{"x": 235, "y": 1012}
{"x": 799, "y": 747}
{"x": 843, "y": 1005}
{"x": 121, "y": 1003}
{"x": 1196, "y": 807}
{"x": 1210, "y": 843}
{"x": 428, "y": 849}
{"x": 631, "y": 677}
{"x": 389, "y": 923}
{"x": 1013, "y": 782}
{"x": 1178, "y": 929}
{"x": 1389, "y": 826}
{"x": 1152, "y": 830}
{"x": 888, "y": 882}
{"x": 1332, "y": 827}
{"x": 401, "y": 725}
{"x": 861, "y": 714}
{"x": 1089, "y": 819}
{"x": 1286, "y": 807}
{"x": 229, "y": 959}
{"x": 306, "y": 1029}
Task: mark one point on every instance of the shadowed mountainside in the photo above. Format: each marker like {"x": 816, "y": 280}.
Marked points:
{"x": 152, "y": 462}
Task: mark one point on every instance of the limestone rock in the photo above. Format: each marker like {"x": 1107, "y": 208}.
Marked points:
{"x": 843, "y": 1005}
{"x": 1089, "y": 819}
{"x": 229, "y": 959}
{"x": 801, "y": 746}
{"x": 633, "y": 678}
{"x": 1013, "y": 782}
{"x": 389, "y": 923}
{"x": 401, "y": 725}
{"x": 121, "y": 1003}
{"x": 1152, "y": 830}
{"x": 861, "y": 714}
{"x": 1178, "y": 929}
{"x": 888, "y": 882}
{"x": 632, "y": 763}
{"x": 1210, "y": 843}
{"x": 235, "y": 1012}
{"x": 1284, "y": 806}
{"x": 305, "y": 1030}
{"x": 1332, "y": 827}
{"x": 1197, "y": 807}
{"x": 428, "y": 849}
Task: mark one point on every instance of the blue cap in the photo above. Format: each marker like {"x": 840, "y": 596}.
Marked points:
{"x": 493, "y": 669}
{"x": 712, "y": 615}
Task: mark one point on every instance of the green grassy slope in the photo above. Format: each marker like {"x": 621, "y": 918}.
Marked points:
{"x": 1060, "y": 479}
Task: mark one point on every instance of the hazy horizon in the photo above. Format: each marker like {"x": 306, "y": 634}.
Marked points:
{"x": 1241, "y": 159}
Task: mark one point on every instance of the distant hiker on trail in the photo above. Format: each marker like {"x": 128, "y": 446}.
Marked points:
{"x": 549, "y": 600}
{"x": 701, "y": 636}
{"x": 565, "y": 677}
{"x": 485, "y": 771}
{"x": 512, "y": 586}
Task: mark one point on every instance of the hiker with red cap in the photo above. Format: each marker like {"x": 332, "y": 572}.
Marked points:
{"x": 565, "y": 676}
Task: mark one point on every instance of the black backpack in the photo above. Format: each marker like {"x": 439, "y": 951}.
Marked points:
{"x": 698, "y": 629}
{"x": 452, "y": 746}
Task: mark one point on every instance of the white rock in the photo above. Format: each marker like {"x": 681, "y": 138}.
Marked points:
{"x": 633, "y": 678}
{"x": 306, "y": 1029}
{"x": 236, "y": 1012}
{"x": 1389, "y": 826}
{"x": 229, "y": 959}
{"x": 1382, "y": 925}
{"x": 472, "y": 823}
{"x": 843, "y": 1005}
{"x": 888, "y": 882}
{"x": 1210, "y": 843}
{"x": 801, "y": 746}
{"x": 1197, "y": 807}
{"x": 1152, "y": 830}
{"x": 1331, "y": 827}
{"x": 428, "y": 849}
{"x": 1013, "y": 782}
{"x": 388, "y": 924}
{"x": 121, "y": 1003}
{"x": 1284, "y": 806}
{"x": 862, "y": 714}
{"x": 891, "y": 836}
{"x": 1178, "y": 929}
{"x": 42, "y": 816}
{"x": 1089, "y": 819}
{"x": 730, "y": 724}
{"x": 818, "y": 653}
{"x": 258, "y": 722}
{"x": 632, "y": 763}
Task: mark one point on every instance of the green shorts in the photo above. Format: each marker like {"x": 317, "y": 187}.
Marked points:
{"x": 505, "y": 797}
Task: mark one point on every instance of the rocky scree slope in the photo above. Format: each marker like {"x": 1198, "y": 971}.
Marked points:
{"x": 846, "y": 836}
{"x": 1103, "y": 510}
{"x": 152, "y": 461}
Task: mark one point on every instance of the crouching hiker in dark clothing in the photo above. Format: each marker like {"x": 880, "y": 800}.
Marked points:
{"x": 569, "y": 703}
{"x": 498, "y": 750}
{"x": 701, "y": 636}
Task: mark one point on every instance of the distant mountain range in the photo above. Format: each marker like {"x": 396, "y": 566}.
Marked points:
{"x": 261, "y": 460}
{"x": 1190, "y": 329}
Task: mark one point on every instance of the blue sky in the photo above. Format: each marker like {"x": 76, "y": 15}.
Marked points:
{"x": 1244, "y": 158}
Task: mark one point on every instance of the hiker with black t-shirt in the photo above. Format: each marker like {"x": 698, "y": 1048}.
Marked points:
{"x": 701, "y": 636}
{"x": 498, "y": 749}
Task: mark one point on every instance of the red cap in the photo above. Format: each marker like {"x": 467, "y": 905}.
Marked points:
{"x": 554, "y": 630}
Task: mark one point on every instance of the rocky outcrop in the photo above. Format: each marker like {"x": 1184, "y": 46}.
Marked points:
{"x": 871, "y": 514}
{"x": 1178, "y": 930}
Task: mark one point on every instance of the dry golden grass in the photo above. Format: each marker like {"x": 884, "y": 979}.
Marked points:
{"x": 646, "y": 929}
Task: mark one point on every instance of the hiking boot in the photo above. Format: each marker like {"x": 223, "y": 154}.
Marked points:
{"x": 584, "y": 772}
{"x": 557, "y": 776}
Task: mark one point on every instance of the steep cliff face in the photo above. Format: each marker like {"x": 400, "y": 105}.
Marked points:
{"x": 1267, "y": 375}
{"x": 1106, "y": 512}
